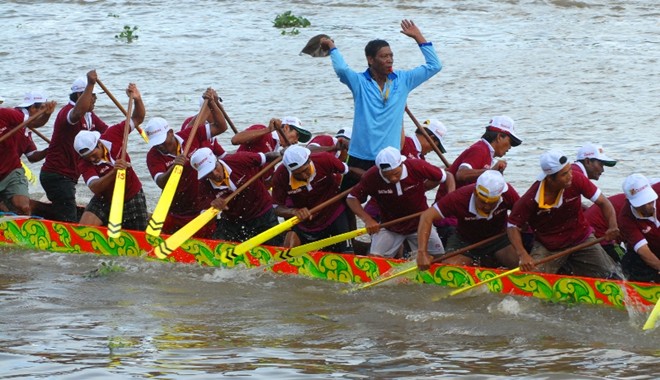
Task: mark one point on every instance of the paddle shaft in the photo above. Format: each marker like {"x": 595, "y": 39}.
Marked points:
{"x": 224, "y": 113}
{"x": 21, "y": 125}
{"x": 196, "y": 123}
{"x": 127, "y": 129}
{"x": 46, "y": 139}
{"x": 121, "y": 108}
{"x": 428, "y": 138}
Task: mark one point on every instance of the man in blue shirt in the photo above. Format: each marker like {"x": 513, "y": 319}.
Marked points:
{"x": 380, "y": 94}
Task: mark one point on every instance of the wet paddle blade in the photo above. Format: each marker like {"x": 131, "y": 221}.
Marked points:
{"x": 155, "y": 225}
{"x": 317, "y": 245}
{"x": 313, "y": 47}
{"x": 143, "y": 134}
{"x": 117, "y": 205}
{"x": 401, "y": 270}
{"x": 653, "y": 318}
{"x": 465, "y": 289}
{"x": 166, "y": 247}
{"x": 229, "y": 255}
{"x": 28, "y": 174}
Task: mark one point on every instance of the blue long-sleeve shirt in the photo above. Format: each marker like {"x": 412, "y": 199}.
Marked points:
{"x": 379, "y": 114}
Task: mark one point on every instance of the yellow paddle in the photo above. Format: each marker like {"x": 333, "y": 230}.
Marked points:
{"x": 539, "y": 262}
{"x": 412, "y": 266}
{"x": 121, "y": 108}
{"x": 231, "y": 254}
{"x": 117, "y": 204}
{"x": 166, "y": 247}
{"x": 157, "y": 220}
{"x": 650, "y": 323}
{"x": 316, "y": 245}
{"x": 28, "y": 174}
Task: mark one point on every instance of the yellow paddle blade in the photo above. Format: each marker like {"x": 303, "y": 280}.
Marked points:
{"x": 655, "y": 313}
{"x": 155, "y": 225}
{"x": 117, "y": 205}
{"x": 404, "y": 269}
{"x": 465, "y": 289}
{"x": 143, "y": 134}
{"x": 230, "y": 254}
{"x": 316, "y": 245}
{"x": 166, "y": 247}
{"x": 28, "y": 174}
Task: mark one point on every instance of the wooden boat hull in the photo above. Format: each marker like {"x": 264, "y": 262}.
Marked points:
{"x": 40, "y": 234}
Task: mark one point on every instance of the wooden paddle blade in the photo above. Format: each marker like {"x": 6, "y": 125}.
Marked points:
{"x": 166, "y": 247}
{"x": 143, "y": 134}
{"x": 230, "y": 255}
{"x": 155, "y": 225}
{"x": 316, "y": 245}
{"x": 117, "y": 205}
{"x": 655, "y": 313}
{"x": 313, "y": 47}
{"x": 404, "y": 269}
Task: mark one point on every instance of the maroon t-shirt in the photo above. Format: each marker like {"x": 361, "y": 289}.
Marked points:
{"x": 558, "y": 227}
{"x": 477, "y": 156}
{"x": 61, "y": 158}
{"x": 9, "y": 119}
{"x": 410, "y": 149}
{"x": 265, "y": 144}
{"x": 637, "y": 230}
{"x": 595, "y": 216}
{"x": 322, "y": 186}
{"x": 25, "y": 145}
{"x": 400, "y": 199}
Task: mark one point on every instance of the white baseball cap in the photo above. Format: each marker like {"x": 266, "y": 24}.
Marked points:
{"x": 638, "y": 190}
{"x": 156, "y": 130}
{"x": 203, "y": 160}
{"x": 295, "y": 156}
{"x": 389, "y": 158}
{"x": 295, "y": 123}
{"x": 504, "y": 124}
{"x": 33, "y": 97}
{"x": 345, "y": 133}
{"x": 491, "y": 185}
{"x": 551, "y": 162}
{"x": 594, "y": 152}
{"x": 439, "y": 131}
{"x": 85, "y": 142}
{"x": 79, "y": 85}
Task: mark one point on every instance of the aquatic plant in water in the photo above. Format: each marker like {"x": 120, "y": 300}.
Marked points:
{"x": 289, "y": 20}
{"x": 128, "y": 34}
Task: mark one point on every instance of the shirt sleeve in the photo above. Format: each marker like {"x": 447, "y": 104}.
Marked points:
{"x": 422, "y": 73}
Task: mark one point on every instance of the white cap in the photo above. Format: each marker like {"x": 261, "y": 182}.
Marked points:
{"x": 345, "y": 133}
{"x": 638, "y": 190}
{"x": 295, "y": 123}
{"x": 552, "y": 162}
{"x": 504, "y": 124}
{"x": 86, "y": 141}
{"x": 156, "y": 131}
{"x": 79, "y": 85}
{"x": 439, "y": 131}
{"x": 33, "y": 97}
{"x": 491, "y": 185}
{"x": 203, "y": 160}
{"x": 389, "y": 158}
{"x": 295, "y": 156}
{"x": 594, "y": 152}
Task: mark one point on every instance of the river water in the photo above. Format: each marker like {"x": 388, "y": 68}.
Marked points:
{"x": 568, "y": 72}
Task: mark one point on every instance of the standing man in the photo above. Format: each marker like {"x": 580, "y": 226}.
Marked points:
{"x": 399, "y": 188}
{"x": 591, "y": 161}
{"x": 553, "y": 209}
{"x": 380, "y": 94}
{"x": 13, "y": 183}
{"x": 499, "y": 137}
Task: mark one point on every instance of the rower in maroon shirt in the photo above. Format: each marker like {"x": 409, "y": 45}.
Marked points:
{"x": 552, "y": 207}
{"x": 166, "y": 150}
{"x": 482, "y": 211}
{"x": 591, "y": 160}
{"x": 399, "y": 187}
{"x": 641, "y": 228}
{"x": 306, "y": 180}
{"x": 250, "y": 212}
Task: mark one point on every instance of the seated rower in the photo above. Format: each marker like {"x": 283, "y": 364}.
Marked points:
{"x": 399, "y": 187}
{"x": 306, "y": 180}
{"x": 339, "y": 143}
{"x": 417, "y": 145}
{"x": 641, "y": 228}
{"x": 552, "y": 208}
{"x": 591, "y": 160}
{"x": 213, "y": 116}
{"x": 482, "y": 211}
{"x": 250, "y": 212}
{"x": 594, "y": 216}
{"x": 101, "y": 159}
{"x": 166, "y": 151}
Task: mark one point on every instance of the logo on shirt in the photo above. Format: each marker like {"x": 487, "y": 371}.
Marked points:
{"x": 646, "y": 230}
{"x": 388, "y": 191}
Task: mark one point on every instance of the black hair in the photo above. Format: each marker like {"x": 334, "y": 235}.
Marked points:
{"x": 491, "y": 136}
{"x": 74, "y": 96}
{"x": 371, "y": 50}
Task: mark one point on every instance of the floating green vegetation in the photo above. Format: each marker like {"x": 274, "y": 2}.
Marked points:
{"x": 105, "y": 269}
{"x": 128, "y": 34}
{"x": 289, "y": 20}
{"x": 113, "y": 15}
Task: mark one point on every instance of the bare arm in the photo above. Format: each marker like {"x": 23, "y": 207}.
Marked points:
{"x": 610, "y": 215}
{"x": 649, "y": 257}
{"x": 138, "y": 106}
{"x": 423, "y": 234}
{"x": 245, "y": 137}
{"x": 85, "y": 100}
{"x": 219, "y": 124}
{"x": 515, "y": 237}
{"x": 371, "y": 225}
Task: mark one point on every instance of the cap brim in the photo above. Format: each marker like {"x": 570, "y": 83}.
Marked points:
{"x": 303, "y": 135}
{"x": 644, "y": 197}
{"x": 442, "y": 148}
{"x": 515, "y": 141}
{"x": 609, "y": 163}
{"x": 157, "y": 139}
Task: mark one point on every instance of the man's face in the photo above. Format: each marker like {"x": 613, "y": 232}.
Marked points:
{"x": 646, "y": 210}
{"x": 394, "y": 175}
{"x": 217, "y": 174}
{"x": 502, "y": 144}
{"x": 303, "y": 173}
{"x": 383, "y": 61}
{"x": 95, "y": 156}
{"x": 485, "y": 207}
{"x": 290, "y": 133}
{"x": 594, "y": 168}
{"x": 563, "y": 178}
{"x": 169, "y": 145}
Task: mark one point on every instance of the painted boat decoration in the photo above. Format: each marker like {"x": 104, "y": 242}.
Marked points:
{"x": 41, "y": 234}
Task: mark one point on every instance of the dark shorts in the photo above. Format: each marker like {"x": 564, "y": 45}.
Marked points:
{"x": 479, "y": 254}
{"x": 61, "y": 191}
{"x": 635, "y": 269}
{"x": 338, "y": 226}
{"x": 135, "y": 211}
{"x": 242, "y": 230}
{"x": 14, "y": 183}
{"x": 347, "y": 181}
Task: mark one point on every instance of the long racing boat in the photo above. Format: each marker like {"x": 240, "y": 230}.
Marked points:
{"x": 46, "y": 235}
